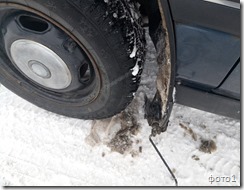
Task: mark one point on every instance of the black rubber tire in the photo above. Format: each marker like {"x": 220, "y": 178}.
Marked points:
{"x": 101, "y": 29}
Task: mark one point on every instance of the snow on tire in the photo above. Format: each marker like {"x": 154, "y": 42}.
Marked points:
{"x": 99, "y": 46}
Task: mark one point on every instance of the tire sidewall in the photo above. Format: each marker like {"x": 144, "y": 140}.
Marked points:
{"x": 93, "y": 40}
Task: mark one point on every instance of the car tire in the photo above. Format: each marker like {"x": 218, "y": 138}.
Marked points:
{"x": 82, "y": 58}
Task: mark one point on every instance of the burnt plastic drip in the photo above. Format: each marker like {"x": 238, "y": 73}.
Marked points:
{"x": 165, "y": 163}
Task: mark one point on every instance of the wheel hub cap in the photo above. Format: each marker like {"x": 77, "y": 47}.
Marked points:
{"x": 40, "y": 64}
{"x": 39, "y": 69}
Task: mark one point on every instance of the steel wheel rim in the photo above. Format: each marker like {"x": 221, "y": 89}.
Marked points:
{"x": 84, "y": 88}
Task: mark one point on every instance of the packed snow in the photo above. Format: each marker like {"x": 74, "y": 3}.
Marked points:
{"x": 39, "y": 148}
{"x": 135, "y": 69}
{"x": 133, "y": 54}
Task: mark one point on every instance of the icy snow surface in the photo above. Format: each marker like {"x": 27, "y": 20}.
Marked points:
{"x": 41, "y": 148}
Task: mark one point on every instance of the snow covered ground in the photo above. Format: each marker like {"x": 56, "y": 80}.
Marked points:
{"x": 39, "y": 148}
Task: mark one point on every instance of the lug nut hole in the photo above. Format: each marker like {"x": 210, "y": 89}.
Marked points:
{"x": 33, "y": 24}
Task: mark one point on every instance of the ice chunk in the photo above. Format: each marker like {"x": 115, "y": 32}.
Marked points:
{"x": 133, "y": 53}
{"x": 136, "y": 69}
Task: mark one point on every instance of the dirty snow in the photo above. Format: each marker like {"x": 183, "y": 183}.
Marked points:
{"x": 41, "y": 148}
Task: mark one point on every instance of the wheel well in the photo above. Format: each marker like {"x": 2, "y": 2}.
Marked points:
{"x": 150, "y": 9}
